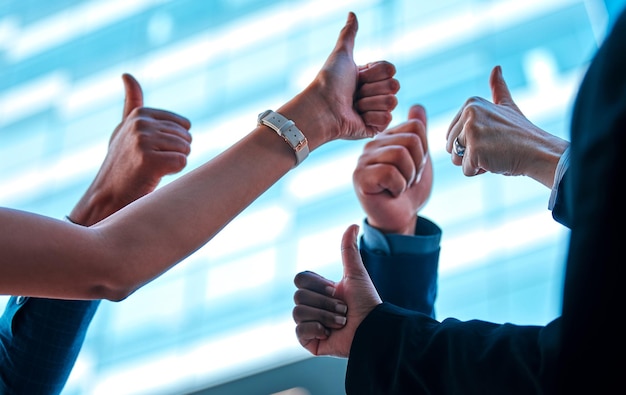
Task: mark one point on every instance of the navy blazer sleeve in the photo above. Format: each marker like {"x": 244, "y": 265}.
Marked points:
{"x": 397, "y": 351}
{"x": 407, "y": 279}
{"x": 39, "y": 342}
{"x": 400, "y": 347}
{"x": 594, "y": 296}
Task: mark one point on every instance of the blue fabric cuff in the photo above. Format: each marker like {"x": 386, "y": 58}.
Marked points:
{"x": 427, "y": 239}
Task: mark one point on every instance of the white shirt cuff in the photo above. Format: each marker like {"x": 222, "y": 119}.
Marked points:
{"x": 561, "y": 168}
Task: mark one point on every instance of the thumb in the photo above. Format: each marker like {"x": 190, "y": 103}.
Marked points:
{"x": 418, "y": 112}
{"x": 347, "y": 35}
{"x": 134, "y": 94}
{"x": 352, "y": 262}
{"x": 499, "y": 90}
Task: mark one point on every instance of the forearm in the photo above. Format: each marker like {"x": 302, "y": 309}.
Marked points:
{"x": 144, "y": 239}
{"x": 94, "y": 206}
{"x": 404, "y": 268}
{"x": 544, "y": 157}
{"x": 409, "y": 281}
{"x": 397, "y": 351}
{"x": 111, "y": 259}
{"x": 201, "y": 203}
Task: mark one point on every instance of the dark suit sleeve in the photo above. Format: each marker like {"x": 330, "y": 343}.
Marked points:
{"x": 594, "y": 280}
{"x": 408, "y": 279}
{"x": 398, "y": 351}
{"x": 39, "y": 342}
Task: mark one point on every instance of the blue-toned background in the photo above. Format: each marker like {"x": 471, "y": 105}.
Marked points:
{"x": 224, "y": 314}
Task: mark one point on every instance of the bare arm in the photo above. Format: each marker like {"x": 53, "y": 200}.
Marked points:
{"x": 146, "y": 145}
{"x": 46, "y": 257}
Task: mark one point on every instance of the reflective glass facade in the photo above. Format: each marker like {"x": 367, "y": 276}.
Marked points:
{"x": 225, "y": 312}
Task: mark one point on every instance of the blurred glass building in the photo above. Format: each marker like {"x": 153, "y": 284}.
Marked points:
{"x": 220, "y": 322}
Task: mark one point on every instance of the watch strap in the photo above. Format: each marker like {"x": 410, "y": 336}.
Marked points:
{"x": 288, "y": 130}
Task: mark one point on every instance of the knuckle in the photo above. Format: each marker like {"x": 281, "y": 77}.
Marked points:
{"x": 413, "y": 139}
{"x": 370, "y": 145}
{"x": 298, "y": 297}
{"x": 299, "y": 279}
{"x": 142, "y": 124}
{"x": 394, "y": 84}
{"x": 473, "y": 101}
{"x": 391, "y": 101}
{"x": 390, "y": 68}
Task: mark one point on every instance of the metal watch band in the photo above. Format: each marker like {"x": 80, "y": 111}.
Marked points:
{"x": 288, "y": 130}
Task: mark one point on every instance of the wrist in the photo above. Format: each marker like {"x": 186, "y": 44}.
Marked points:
{"x": 404, "y": 229}
{"x": 543, "y": 164}
{"x": 312, "y": 116}
{"x": 425, "y": 239}
{"x": 289, "y": 132}
{"x": 92, "y": 208}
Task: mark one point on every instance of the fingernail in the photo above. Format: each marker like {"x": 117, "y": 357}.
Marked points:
{"x": 340, "y": 320}
{"x": 341, "y": 308}
{"x": 330, "y": 291}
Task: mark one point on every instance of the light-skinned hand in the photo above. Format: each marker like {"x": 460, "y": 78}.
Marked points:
{"x": 350, "y": 102}
{"x": 501, "y": 140}
{"x": 394, "y": 176}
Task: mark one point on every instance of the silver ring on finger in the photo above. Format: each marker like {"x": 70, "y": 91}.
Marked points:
{"x": 457, "y": 148}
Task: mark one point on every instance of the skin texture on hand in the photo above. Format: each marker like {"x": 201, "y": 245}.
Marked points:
{"x": 117, "y": 255}
{"x": 394, "y": 176}
{"x": 349, "y": 102}
{"x": 393, "y": 180}
{"x": 375, "y": 96}
{"x": 316, "y": 297}
{"x": 501, "y": 140}
{"x": 147, "y": 145}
